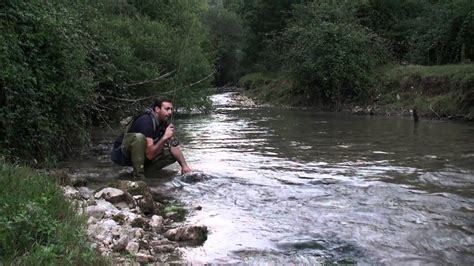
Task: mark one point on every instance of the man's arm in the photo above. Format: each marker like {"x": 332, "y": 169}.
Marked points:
{"x": 178, "y": 155}
{"x": 153, "y": 150}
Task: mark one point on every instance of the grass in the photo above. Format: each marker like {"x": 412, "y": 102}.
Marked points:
{"x": 445, "y": 91}
{"x": 440, "y": 91}
{"x": 268, "y": 88}
{"x": 458, "y": 71}
{"x": 38, "y": 226}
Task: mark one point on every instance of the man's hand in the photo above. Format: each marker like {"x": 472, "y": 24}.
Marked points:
{"x": 186, "y": 170}
{"x": 169, "y": 132}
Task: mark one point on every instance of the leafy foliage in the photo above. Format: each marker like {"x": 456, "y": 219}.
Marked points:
{"x": 330, "y": 50}
{"x": 226, "y": 30}
{"x": 422, "y": 32}
{"x": 65, "y": 65}
{"x": 44, "y": 79}
{"x": 330, "y": 56}
{"x": 37, "y": 225}
{"x": 443, "y": 33}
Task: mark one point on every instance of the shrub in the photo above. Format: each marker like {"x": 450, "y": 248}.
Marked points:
{"x": 44, "y": 80}
{"x": 331, "y": 57}
{"x": 37, "y": 225}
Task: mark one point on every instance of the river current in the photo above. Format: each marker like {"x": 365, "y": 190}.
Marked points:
{"x": 283, "y": 186}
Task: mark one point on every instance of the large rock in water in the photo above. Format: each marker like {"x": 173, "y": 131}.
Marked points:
{"x": 194, "y": 233}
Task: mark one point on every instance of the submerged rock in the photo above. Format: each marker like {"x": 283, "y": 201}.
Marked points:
{"x": 194, "y": 233}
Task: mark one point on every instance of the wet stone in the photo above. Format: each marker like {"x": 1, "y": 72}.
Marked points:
{"x": 144, "y": 258}
{"x": 139, "y": 222}
{"x": 156, "y": 223}
{"x": 71, "y": 193}
{"x": 132, "y": 247}
{"x": 85, "y": 192}
{"x": 97, "y": 211}
{"x": 194, "y": 233}
{"x": 162, "y": 246}
{"x": 111, "y": 195}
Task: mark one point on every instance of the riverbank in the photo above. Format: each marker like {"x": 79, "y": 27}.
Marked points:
{"x": 56, "y": 218}
{"x": 127, "y": 221}
{"x": 437, "y": 92}
{"x": 37, "y": 225}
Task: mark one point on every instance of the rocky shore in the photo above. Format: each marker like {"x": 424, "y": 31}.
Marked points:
{"x": 128, "y": 223}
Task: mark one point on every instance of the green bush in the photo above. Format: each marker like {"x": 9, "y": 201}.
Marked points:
{"x": 226, "y": 33}
{"x": 44, "y": 80}
{"x": 331, "y": 57}
{"x": 65, "y": 64}
{"x": 37, "y": 225}
{"x": 442, "y": 33}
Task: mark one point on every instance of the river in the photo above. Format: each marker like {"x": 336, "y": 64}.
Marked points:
{"x": 296, "y": 186}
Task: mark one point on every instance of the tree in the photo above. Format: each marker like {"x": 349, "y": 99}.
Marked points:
{"x": 331, "y": 57}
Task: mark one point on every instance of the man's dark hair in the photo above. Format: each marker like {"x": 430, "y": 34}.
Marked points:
{"x": 161, "y": 99}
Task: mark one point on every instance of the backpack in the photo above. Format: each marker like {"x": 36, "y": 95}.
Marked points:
{"x": 127, "y": 122}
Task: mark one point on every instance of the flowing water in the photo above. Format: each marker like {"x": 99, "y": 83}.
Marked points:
{"x": 292, "y": 186}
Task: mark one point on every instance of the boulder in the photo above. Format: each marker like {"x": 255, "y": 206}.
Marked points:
{"x": 102, "y": 209}
{"x": 102, "y": 230}
{"x": 156, "y": 223}
{"x": 194, "y": 233}
{"x": 357, "y": 110}
{"x": 121, "y": 243}
{"x": 85, "y": 192}
{"x": 144, "y": 258}
{"x": 139, "y": 222}
{"x": 141, "y": 194}
{"x": 162, "y": 246}
{"x": 111, "y": 195}
{"x": 132, "y": 247}
{"x": 130, "y": 203}
{"x": 134, "y": 187}
{"x": 71, "y": 193}
{"x": 139, "y": 232}
{"x": 96, "y": 211}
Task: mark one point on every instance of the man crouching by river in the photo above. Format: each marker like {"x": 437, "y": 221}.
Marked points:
{"x": 148, "y": 143}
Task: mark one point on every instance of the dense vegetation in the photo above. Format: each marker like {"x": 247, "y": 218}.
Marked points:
{"x": 66, "y": 64}
{"x": 332, "y": 53}
{"x": 37, "y": 225}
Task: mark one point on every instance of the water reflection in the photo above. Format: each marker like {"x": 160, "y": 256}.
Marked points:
{"x": 280, "y": 186}
{"x": 295, "y": 186}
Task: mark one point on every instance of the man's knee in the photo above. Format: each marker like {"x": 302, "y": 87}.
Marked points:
{"x": 162, "y": 160}
{"x": 137, "y": 137}
{"x": 133, "y": 139}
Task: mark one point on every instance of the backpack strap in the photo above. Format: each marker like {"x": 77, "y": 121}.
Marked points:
{"x": 147, "y": 111}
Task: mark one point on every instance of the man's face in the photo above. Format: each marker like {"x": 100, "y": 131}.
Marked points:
{"x": 165, "y": 112}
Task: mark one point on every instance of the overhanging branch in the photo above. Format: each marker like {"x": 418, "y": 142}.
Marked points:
{"x": 150, "y": 80}
{"x": 156, "y": 95}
